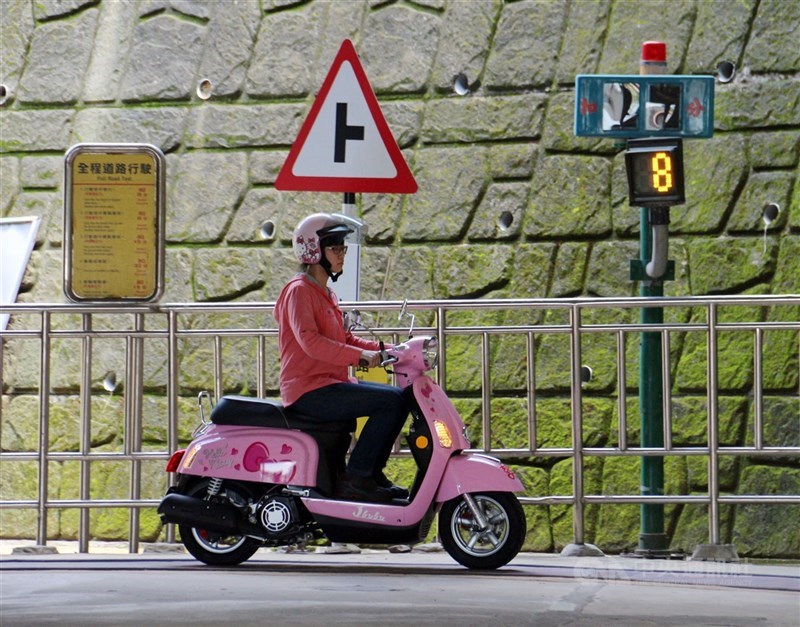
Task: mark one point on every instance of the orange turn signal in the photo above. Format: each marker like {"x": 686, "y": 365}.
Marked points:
{"x": 443, "y": 433}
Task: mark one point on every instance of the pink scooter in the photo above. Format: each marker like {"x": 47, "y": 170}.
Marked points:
{"x": 258, "y": 475}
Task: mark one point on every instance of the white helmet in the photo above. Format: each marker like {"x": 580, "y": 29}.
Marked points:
{"x": 309, "y": 233}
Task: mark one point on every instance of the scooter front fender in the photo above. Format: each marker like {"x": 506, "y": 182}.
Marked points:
{"x": 470, "y": 472}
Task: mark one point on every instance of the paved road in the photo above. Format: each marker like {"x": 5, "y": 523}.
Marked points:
{"x": 380, "y": 588}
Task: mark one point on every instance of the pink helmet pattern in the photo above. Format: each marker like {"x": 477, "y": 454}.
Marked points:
{"x": 308, "y": 233}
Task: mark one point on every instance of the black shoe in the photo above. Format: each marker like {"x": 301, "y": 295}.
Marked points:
{"x": 353, "y": 487}
{"x": 382, "y": 481}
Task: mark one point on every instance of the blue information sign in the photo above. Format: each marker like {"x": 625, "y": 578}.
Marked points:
{"x": 630, "y": 106}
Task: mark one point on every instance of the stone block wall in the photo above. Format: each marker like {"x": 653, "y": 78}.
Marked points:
{"x": 510, "y": 202}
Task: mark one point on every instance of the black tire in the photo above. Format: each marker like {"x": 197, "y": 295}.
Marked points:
{"x": 491, "y": 548}
{"x": 212, "y": 547}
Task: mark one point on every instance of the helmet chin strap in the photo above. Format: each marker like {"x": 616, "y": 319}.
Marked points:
{"x": 326, "y": 265}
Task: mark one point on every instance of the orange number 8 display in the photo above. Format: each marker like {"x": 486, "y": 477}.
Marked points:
{"x": 661, "y": 166}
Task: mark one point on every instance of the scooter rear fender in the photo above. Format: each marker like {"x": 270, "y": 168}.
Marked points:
{"x": 469, "y": 472}
{"x": 253, "y": 454}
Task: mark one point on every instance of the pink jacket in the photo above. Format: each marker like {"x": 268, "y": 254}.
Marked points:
{"x": 315, "y": 349}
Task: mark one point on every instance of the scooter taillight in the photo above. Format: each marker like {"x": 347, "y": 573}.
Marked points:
{"x": 175, "y": 460}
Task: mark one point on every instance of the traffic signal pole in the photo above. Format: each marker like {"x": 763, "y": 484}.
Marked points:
{"x": 653, "y": 112}
{"x": 653, "y": 540}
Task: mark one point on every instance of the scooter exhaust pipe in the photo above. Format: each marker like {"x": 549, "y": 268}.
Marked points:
{"x": 187, "y": 510}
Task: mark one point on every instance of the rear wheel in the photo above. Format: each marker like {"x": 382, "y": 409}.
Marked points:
{"x": 482, "y": 547}
{"x": 214, "y": 547}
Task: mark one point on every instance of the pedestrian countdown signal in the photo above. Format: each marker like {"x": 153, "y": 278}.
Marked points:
{"x": 655, "y": 172}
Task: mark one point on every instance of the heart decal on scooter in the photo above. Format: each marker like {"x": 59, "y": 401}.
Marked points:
{"x": 255, "y": 455}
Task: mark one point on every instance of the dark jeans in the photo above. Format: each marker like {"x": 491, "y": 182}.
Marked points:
{"x": 385, "y": 406}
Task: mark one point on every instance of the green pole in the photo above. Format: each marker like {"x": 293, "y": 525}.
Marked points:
{"x": 652, "y": 539}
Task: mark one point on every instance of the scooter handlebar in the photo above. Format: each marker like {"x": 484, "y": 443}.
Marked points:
{"x": 390, "y": 359}
{"x": 386, "y": 358}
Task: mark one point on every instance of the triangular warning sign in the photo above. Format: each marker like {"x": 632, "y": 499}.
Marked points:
{"x": 345, "y": 144}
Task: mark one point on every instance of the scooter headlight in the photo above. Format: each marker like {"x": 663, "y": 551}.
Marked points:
{"x": 430, "y": 352}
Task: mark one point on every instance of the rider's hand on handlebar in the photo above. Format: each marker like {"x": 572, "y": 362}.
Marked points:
{"x": 372, "y": 359}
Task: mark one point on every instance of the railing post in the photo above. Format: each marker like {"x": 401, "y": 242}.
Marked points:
{"x": 713, "y": 429}
{"x": 486, "y": 393}
{"x": 172, "y": 399}
{"x": 714, "y": 551}
{"x": 441, "y": 371}
{"x": 622, "y": 410}
{"x": 218, "y": 387}
{"x": 758, "y": 391}
{"x": 44, "y": 429}
{"x": 261, "y": 387}
{"x": 136, "y": 391}
{"x": 530, "y": 358}
{"x": 579, "y": 546}
{"x": 86, "y": 432}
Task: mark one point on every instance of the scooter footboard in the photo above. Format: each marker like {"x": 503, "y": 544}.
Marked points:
{"x": 476, "y": 473}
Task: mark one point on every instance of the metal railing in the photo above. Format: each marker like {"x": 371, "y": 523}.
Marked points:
{"x": 168, "y": 330}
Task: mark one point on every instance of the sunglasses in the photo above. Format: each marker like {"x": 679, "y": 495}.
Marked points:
{"x": 337, "y": 250}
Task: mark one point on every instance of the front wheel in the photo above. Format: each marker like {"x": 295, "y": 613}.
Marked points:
{"x": 213, "y": 547}
{"x": 485, "y": 547}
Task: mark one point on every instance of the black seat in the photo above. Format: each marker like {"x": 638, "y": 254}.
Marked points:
{"x": 333, "y": 438}
{"x": 260, "y": 412}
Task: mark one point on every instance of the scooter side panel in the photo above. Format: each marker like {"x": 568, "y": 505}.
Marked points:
{"x": 476, "y": 473}
{"x": 253, "y": 454}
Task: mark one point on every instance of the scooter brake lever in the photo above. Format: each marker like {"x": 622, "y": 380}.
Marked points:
{"x": 385, "y": 357}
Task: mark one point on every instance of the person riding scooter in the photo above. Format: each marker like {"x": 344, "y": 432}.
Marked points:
{"x": 316, "y": 351}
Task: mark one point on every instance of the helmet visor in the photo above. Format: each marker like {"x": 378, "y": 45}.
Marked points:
{"x": 333, "y": 235}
